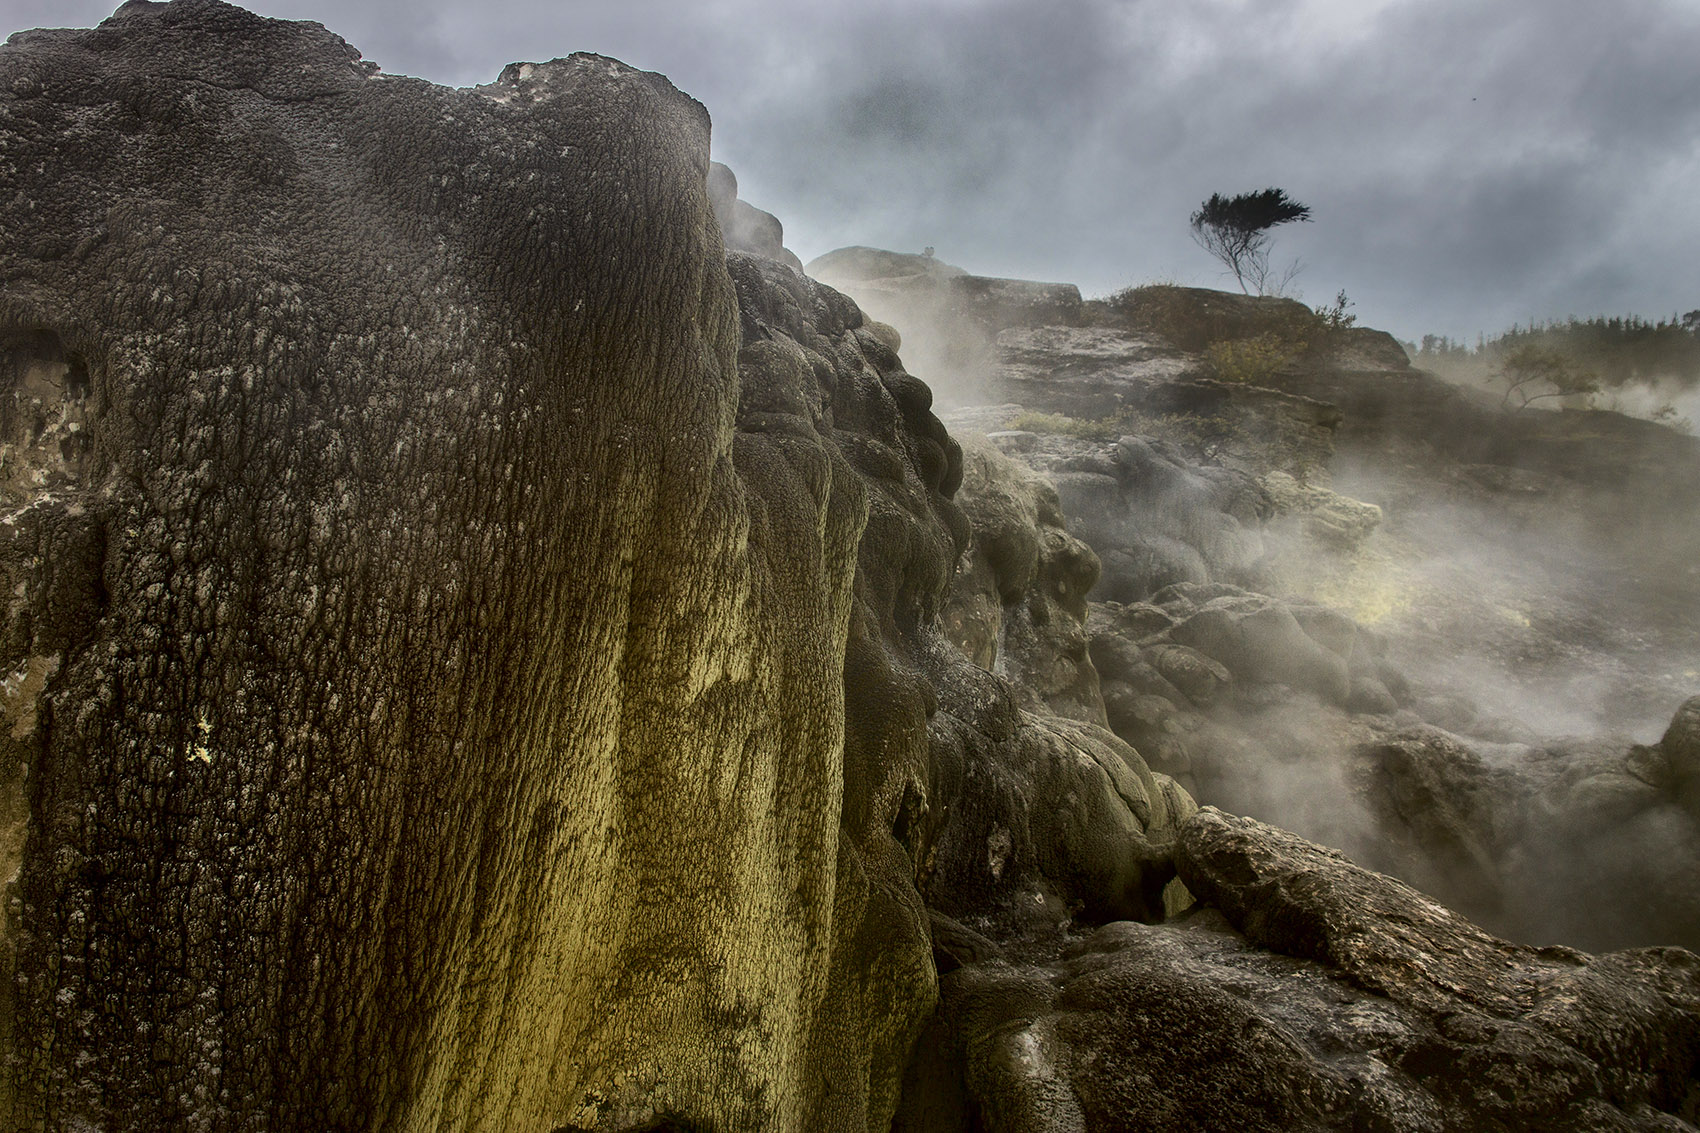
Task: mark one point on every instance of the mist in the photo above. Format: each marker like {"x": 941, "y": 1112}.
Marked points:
{"x": 1514, "y": 593}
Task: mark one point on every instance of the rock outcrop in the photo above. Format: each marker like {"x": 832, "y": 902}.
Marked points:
{"x": 949, "y": 319}
{"x": 960, "y": 789}
{"x": 475, "y": 646}
{"x": 1018, "y": 603}
{"x": 430, "y": 613}
{"x": 744, "y": 227}
{"x": 1310, "y": 995}
{"x": 910, "y": 284}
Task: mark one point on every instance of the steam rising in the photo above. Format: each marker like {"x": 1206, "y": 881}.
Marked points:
{"x": 1535, "y": 588}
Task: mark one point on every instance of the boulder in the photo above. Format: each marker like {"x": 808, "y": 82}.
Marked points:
{"x": 1032, "y": 821}
{"x": 1681, "y": 746}
{"x": 1364, "y": 348}
{"x": 1261, "y": 641}
{"x": 1309, "y": 994}
{"x": 1446, "y": 816}
{"x": 1330, "y": 519}
{"x": 1200, "y": 678}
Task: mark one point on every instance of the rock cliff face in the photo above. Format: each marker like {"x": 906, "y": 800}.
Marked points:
{"x": 430, "y": 670}
{"x": 474, "y": 646}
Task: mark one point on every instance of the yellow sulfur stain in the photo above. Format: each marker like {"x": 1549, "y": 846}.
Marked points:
{"x": 1371, "y": 590}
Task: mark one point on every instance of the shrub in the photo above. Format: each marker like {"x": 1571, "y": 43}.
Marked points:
{"x": 1170, "y": 312}
{"x": 1252, "y": 360}
{"x": 1335, "y": 319}
{"x": 1090, "y": 429}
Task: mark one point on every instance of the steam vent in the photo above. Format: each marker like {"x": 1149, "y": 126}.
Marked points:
{"x": 492, "y": 645}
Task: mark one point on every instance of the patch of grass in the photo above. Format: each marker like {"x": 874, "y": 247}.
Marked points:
{"x": 1056, "y": 424}
{"x": 1252, "y": 360}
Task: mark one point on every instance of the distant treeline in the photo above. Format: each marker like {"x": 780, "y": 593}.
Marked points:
{"x": 1618, "y": 351}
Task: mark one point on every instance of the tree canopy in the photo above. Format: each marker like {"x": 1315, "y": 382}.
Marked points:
{"x": 1236, "y": 230}
{"x": 1531, "y": 372}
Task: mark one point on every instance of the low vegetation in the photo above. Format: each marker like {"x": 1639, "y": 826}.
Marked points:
{"x": 1252, "y": 360}
{"x": 1618, "y": 350}
{"x": 1243, "y": 338}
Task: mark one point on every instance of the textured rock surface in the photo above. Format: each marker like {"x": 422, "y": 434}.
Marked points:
{"x": 474, "y": 650}
{"x": 1319, "y": 996}
{"x": 430, "y": 670}
{"x": 1035, "y": 815}
{"x": 1018, "y": 603}
{"x": 960, "y": 788}
{"x": 1158, "y": 511}
{"x": 811, "y": 373}
{"x": 745, "y": 227}
{"x": 1112, "y": 373}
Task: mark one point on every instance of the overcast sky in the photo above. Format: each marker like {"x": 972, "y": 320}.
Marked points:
{"x": 1468, "y": 163}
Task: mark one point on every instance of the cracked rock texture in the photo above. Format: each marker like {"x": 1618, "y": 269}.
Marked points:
{"x": 432, "y": 703}
{"x": 473, "y": 650}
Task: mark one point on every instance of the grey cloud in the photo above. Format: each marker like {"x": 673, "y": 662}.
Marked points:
{"x": 1468, "y": 164}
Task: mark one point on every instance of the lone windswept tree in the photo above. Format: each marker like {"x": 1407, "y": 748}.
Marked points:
{"x": 1531, "y": 373}
{"x": 1236, "y": 230}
